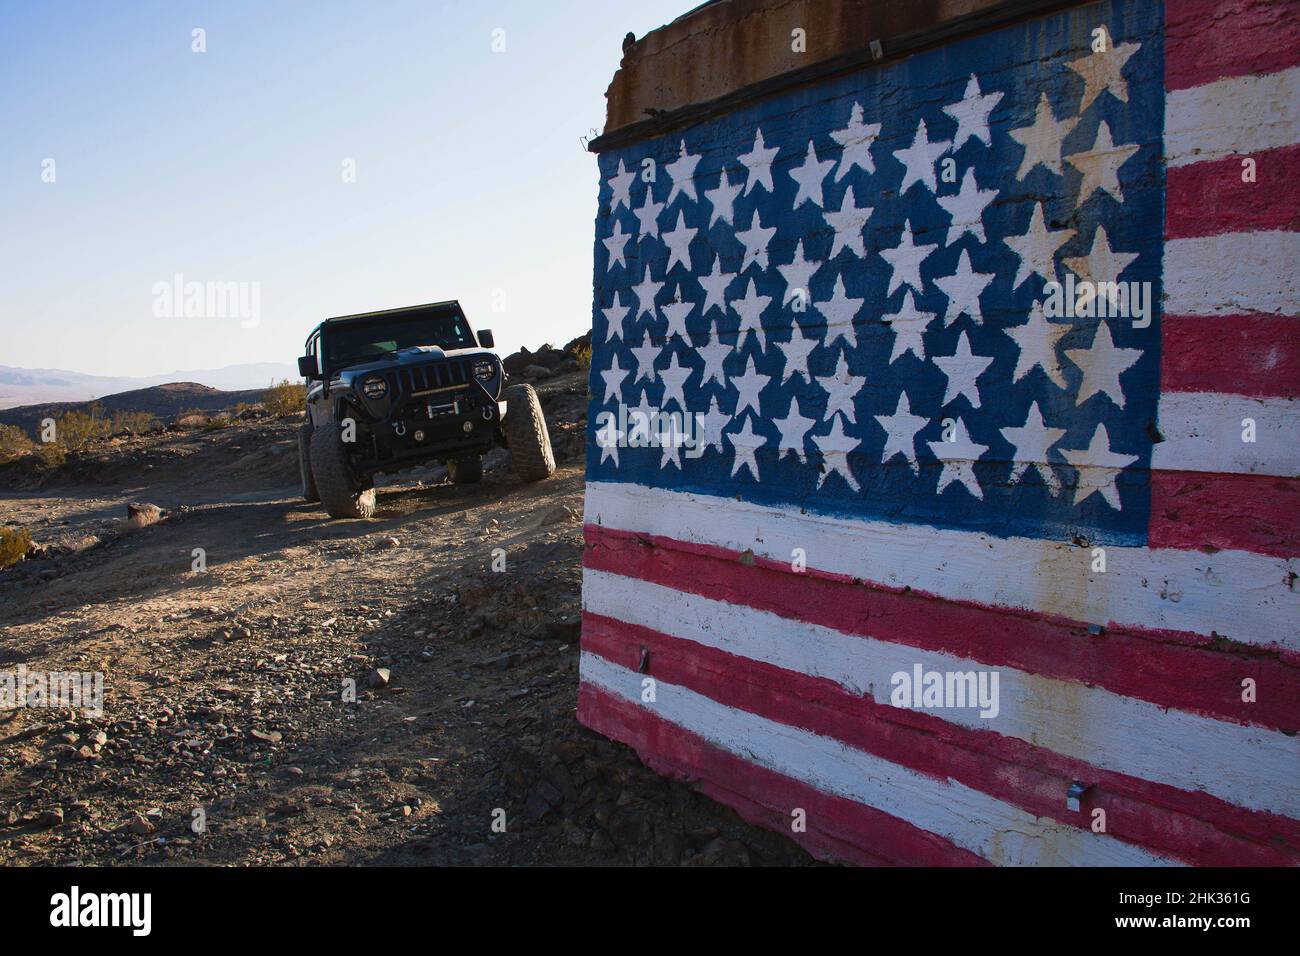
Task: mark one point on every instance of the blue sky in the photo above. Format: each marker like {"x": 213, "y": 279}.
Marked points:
{"x": 227, "y": 166}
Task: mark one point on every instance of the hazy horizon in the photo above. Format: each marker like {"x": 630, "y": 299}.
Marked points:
{"x": 134, "y": 160}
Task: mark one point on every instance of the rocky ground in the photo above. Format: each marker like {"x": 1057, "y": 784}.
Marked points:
{"x": 334, "y": 692}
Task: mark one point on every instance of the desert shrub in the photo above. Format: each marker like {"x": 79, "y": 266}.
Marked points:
{"x": 217, "y": 423}
{"x": 135, "y": 423}
{"x": 73, "y": 429}
{"x": 14, "y": 443}
{"x": 51, "y": 454}
{"x": 286, "y": 398}
{"x": 191, "y": 418}
{"x": 14, "y": 545}
{"x": 583, "y": 354}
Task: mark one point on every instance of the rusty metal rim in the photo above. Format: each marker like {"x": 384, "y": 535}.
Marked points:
{"x": 894, "y": 49}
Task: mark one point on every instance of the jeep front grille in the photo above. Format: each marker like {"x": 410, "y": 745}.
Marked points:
{"x": 417, "y": 379}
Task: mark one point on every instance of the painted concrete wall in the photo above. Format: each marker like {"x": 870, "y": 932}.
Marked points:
{"x": 940, "y": 573}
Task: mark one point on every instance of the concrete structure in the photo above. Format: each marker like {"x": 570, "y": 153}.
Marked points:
{"x": 942, "y": 477}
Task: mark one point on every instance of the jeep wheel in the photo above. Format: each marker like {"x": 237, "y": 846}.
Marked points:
{"x": 526, "y": 434}
{"x": 309, "y": 492}
{"x": 342, "y": 494}
{"x": 465, "y": 471}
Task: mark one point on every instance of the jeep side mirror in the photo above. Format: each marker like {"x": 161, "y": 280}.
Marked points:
{"x": 307, "y": 366}
{"x": 485, "y": 338}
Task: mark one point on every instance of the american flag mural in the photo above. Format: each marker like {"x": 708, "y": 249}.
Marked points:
{"x": 979, "y": 363}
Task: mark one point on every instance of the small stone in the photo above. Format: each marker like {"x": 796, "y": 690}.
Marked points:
{"x": 379, "y": 678}
{"x": 140, "y": 826}
{"x": 266, "y": 736}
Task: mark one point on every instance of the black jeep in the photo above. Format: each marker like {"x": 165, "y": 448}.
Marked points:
{"x": 403, "y": 387}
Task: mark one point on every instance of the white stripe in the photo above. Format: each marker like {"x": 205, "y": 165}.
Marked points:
{"x": 1235, "y": 115}
{"x": 1248, "y": 766}
{"x": 1234, "y": 273}
{"x": 1245, "y": 597}
{"x": 967, "y": 818}
{"x": 1205, "y": 432}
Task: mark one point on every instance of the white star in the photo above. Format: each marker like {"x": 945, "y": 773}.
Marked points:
{"x": 901, "y": 429}
{"x": 608, "y": 439}
{"x": 841, "y": 387}
{"x": 755, "y": 239}
{"x": 645, "y": 355}
{"x": 919, "y": 159}
{"x": 847, "y": 222}
{"x": 614, "y": 316}
{"x": 958, "y": 457}
{"x": 645, "y": 294}
{"x": 905, "y": 261}
{"x": 797, "y": 274}
{"x": 963, "y": 289}
{"x": 674, "y": 377}
{"x": 759, "y": 163}
{"x": 835, "y": 447}
{"x": 1037, "y": 247}
{"x": 676, "y": 312}
{"x": 1037, "y": 340}
{"x": 621, "y": 184}
{"x": 855, "y": 140}
{"x": 640, "y": 418}
{"x": 794, "y": 430}
{"x": 809, "y": 176}
{"x": 715, "y": 287}
{"x": 1103, "y": 70}
{"x": 1098, "y": 466}
{"x": 614, "y": 377}
{"x": 715, "y": 353}
{"x": 839, "y": 311}
{"x": 961, "y": 369}
{"x": 722, "y": 200}
{"x": 972, "y": 114}
{"x": 750, "y": 309}
{"x": 671, "y": 439}
{"x": 747, "y": 387}
{"x": 1030, "y": 444}
{"x": 966, "y": 208}
{"x": 908, "y": 324}
{"x": 616, "y": 243}
{"x": 1101, "y": 264}
{"x": 682, "y": 171}
{"x": 1100, "y": 165}
{"x": 1102, "y": 365}
{"x": 678, "y": 242}
{"x": 1042, "y": 139}
{"x": 711, "y": 424}
{"x": 745, "y": 444}
{"x": 648, "y": 215}
{"x": 796, "y": 353}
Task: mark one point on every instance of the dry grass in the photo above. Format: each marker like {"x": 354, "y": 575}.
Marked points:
{"x": 14, "y": 545}
{"x": 14, "y": 443}
{"x": 286, "y": 398}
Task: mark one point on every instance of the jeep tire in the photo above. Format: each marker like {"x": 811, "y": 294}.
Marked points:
{"x": 526, "y": 434}
{"x": 466, "y": 470}
{"x": 340, "y": 492}
{"x": 309, "y": 492}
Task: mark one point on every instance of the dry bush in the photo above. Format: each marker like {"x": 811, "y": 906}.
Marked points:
{"x": 73, "y": 429}
{"x": 583, "y": 354}
{"x": 134, "y": 423}
{"x": 217, "y": 423}
{"x": 191, "y": 418}
{"x": 286, "y": 398}
{"x": 14, "y": 545}
{"x": 14, "y": 443}
{"x": 51, "y": 455}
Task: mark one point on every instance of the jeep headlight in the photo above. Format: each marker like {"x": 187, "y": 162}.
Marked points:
{"x": 374, "y": 387}
{"x": 485, "y": 370}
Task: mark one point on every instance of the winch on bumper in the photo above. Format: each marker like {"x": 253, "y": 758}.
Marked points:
{"x": 428, "y": 425}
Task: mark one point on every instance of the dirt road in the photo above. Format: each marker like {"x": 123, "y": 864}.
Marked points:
{"x": 324, "y": 691}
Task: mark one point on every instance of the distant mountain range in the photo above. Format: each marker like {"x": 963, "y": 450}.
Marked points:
{"x": 35, "y": 386}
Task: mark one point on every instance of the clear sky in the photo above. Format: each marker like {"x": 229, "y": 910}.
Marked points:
{"x": 228, "y": 165}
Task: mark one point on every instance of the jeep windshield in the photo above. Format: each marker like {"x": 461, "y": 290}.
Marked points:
{"x": 366, "y": 340}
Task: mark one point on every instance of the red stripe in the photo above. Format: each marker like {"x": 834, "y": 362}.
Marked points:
{"x": 1197, "y": 675}
{"x": 1206, "y": 40}
{"x": 1195, "y": 827}
{"x": 1210, "y": 198}
{"x": 1195, "y": 510}
{"x": 1255, "y": 355}
{"x": 837, "y": 829}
